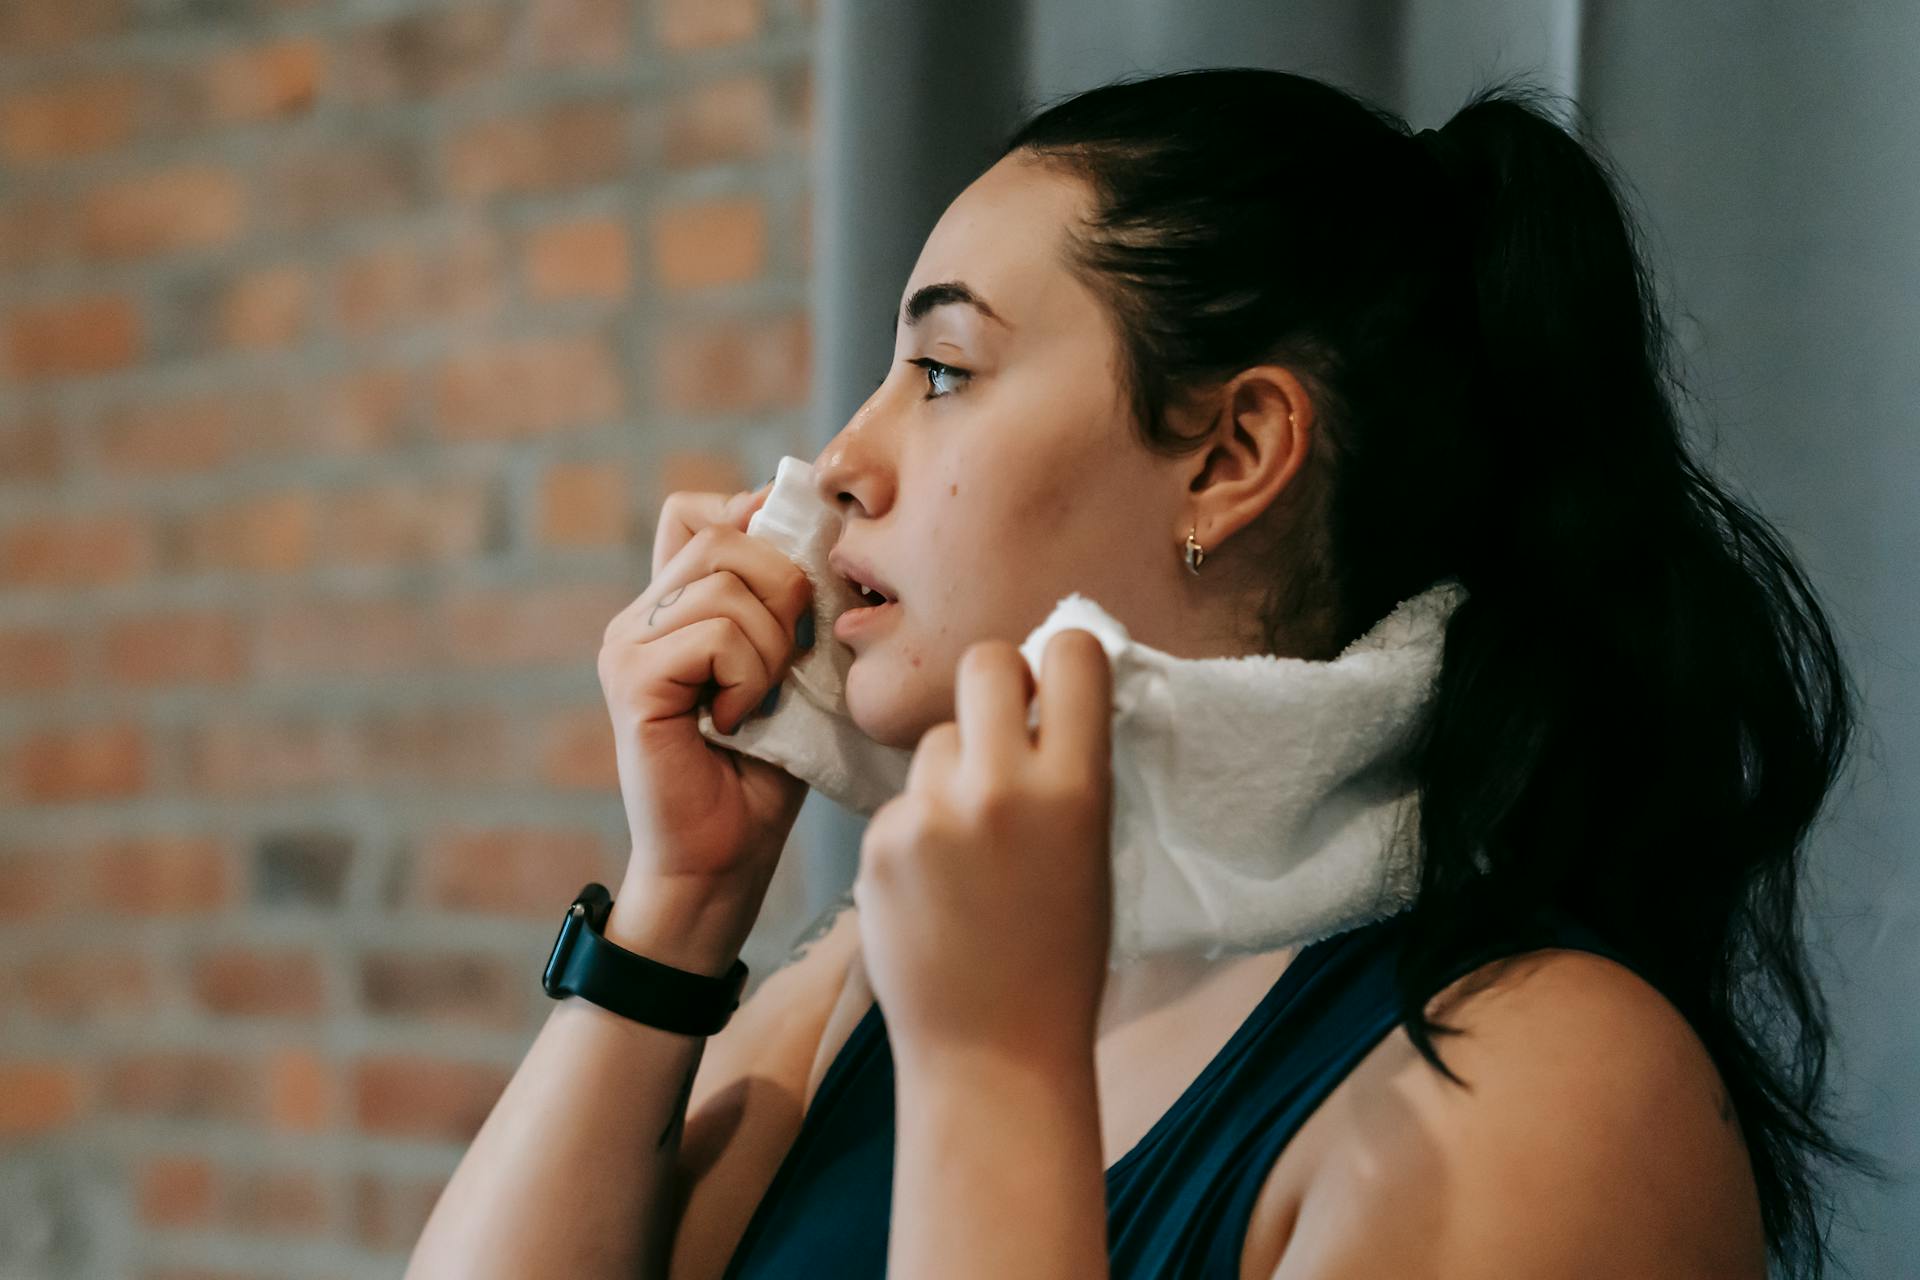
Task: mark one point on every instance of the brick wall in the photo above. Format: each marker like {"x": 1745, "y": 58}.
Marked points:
{"x": 347, "y": 348}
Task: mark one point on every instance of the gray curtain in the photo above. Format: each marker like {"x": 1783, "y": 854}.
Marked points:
{"x": 1771, "y": 158}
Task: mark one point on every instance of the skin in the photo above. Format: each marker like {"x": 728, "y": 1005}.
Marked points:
{"x": 1021, "y": 480}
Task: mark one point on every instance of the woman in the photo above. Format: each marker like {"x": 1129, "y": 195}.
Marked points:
{"x": 1235, "y": 318}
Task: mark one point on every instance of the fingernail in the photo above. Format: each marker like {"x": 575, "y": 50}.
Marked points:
{"x": 768, "y": 703}
{"x": 803, "y": 633}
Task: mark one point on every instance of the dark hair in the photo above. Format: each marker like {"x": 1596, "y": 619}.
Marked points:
{"x": 1641, "y": 689}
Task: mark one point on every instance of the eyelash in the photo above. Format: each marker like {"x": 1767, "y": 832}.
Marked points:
{"x": 930, "y": 364}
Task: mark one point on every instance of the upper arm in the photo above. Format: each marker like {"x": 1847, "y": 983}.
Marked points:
{"x": 749, "y": 1094}
{"x": 1595, "y": 1141}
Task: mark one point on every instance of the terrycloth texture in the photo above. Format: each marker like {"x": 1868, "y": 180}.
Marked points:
{"x": 809, "y": 733}
{"x": 1258, "y": 801}
{"x": 1261, "y": 801}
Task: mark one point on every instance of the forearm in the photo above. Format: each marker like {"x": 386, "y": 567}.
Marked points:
{"x": 572, "y": 1171}
{"x": 998, "y": 1170}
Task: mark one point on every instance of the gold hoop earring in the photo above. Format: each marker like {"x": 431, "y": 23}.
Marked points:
{"x": 1194, "y": 554}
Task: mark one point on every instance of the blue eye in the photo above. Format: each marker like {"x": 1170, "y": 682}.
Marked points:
{"x": 934, "y": 369}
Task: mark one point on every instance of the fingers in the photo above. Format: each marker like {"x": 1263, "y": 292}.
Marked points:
{"x": 993, "y": 687}
{"x": 1076, "y": 700}
{"x": 687, "y": 511}
{"x": 777, "y": 582}
{"x": 718, "y": 594}
{"x": 933, "y": 755}
{"x": 712, "y": 650}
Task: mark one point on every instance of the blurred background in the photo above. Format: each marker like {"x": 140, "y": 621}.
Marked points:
{"x": 347, "y": 349}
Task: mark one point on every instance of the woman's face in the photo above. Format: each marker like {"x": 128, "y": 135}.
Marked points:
{"x": 983, "y": 488}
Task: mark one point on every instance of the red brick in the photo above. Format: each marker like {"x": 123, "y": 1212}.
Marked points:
{"x": 35, "y": 659}
{"x": 183, "y": 1084}
{"x": 421, "y": 281}
{"x": 577, "y": 752}
{"x": 581, "y": 33}
{"x": 189, "y": 207}
{"x": 268, "y": 533}
{"x": 590, "y": 258}
{"x": 153, "y": 436}
{"x": 460, "y": 988}
{"x": 318, "y": 635}
{"x": 299, "y": 1091}
{"x": 390, "y": 1213}
{"x": 73, "y": 762}
{"x": 70, "y": 117}
{"x": 735, "y": 365}
{"x": 585, "y": 504}
{"x": 41, "y": 26}
{"x": 710, "y": 242}
{"x": 79, "y": 983}
{"x": 275, "y": 81}
{"x": 73, "y": 336}
{"x": 36, "y": 231}
{"x": 38, "y": 1097}
{"x": 174, "y": 1191}
{"x": 572, "y": 145}
{"x": 365, "y": 410}
{"x": 234, "y": 757}
{"x": 402, "y": 523}
{"x": 175, "y": 647}
{"x": 702, "y": 24}
{"x": 425, "y": 55}
{"x": 560, "y": 624}
{"x": 338, "y": 182}
{"x": 700, "y": 470}
{"x": 270, "y": 307}
{"x": 513, "y": 871}
{"x": 464, "y": 746}
{"x": 30, "y": 448}
{"x": 75, "y": 551}
{"x": 32, "y": 885}
{"x": 418, "y": 1097}
{"x": 279, "y": 1202}
{"x": 527, "y": 386}
{"x": 259, "y": 982}
{"x": 161, "y": 875}
{"x": 720, "y": 121}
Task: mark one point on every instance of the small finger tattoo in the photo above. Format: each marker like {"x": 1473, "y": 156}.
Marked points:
{"x": 663, "y": 602}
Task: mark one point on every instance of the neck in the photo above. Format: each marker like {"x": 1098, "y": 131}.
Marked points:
{"x": 1147, "y": 984}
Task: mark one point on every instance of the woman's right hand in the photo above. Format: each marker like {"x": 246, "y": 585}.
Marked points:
{"x": 719, "y": 616}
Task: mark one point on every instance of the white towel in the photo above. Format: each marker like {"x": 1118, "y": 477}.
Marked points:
{"x": 1258, "y": 801}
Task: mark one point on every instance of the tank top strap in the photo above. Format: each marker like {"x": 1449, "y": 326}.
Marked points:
{"x": 1322, "y": 1046}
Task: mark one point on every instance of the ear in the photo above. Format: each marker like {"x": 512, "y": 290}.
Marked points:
{"x": 1264, "y": 424}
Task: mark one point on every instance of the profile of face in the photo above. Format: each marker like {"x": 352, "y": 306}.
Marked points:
{"x": 993, "y": 470}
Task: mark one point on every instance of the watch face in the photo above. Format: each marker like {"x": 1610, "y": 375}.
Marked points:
{"x": 562, "y": 948}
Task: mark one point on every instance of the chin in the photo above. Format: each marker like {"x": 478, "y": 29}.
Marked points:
{"x": 888, "y": 710}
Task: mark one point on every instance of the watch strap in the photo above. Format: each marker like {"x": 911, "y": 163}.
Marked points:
{"x": 586, "y": 964}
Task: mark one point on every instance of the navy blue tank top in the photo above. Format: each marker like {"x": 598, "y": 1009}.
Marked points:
{"x": 1179, "y": 1202}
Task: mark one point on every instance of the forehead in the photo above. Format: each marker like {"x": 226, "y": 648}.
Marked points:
{"x": 1003, "y": 237}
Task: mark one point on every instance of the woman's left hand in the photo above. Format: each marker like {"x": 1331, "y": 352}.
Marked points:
{"x": 984, "y": 889}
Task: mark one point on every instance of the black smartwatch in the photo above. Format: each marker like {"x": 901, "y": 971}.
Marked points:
{"x": 585, "y": 964}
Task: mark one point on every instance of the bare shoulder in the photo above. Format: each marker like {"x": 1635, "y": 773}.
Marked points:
{"x": 1589, "y": 1102}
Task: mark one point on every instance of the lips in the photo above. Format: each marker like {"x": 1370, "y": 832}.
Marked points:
{"x": 865, "y": 582}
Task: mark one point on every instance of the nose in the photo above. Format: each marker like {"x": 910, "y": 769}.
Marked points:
{"x": 853, "y": 465}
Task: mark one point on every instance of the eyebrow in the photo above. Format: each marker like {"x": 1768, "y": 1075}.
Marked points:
{"x": 945, "y": 293}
